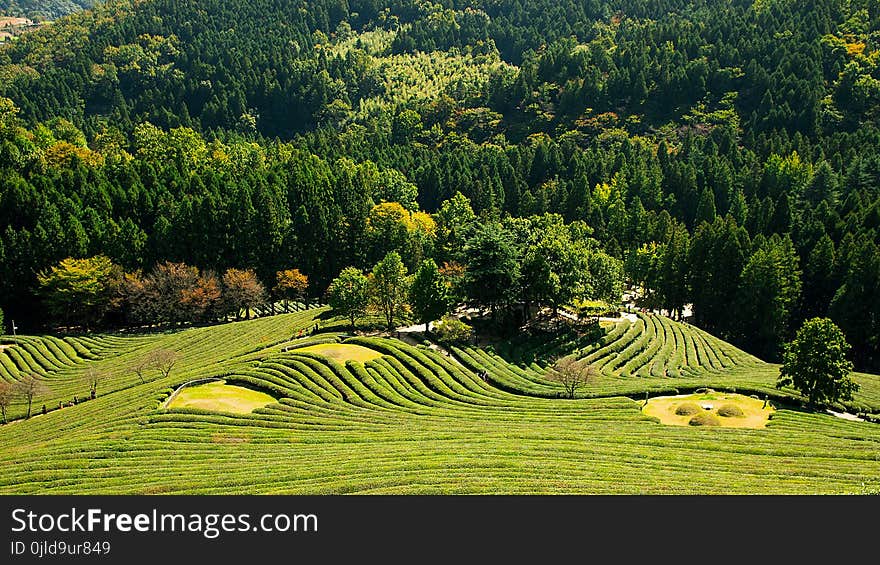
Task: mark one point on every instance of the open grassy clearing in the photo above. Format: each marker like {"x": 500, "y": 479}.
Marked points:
{"x": 342, "y": 351}
{"x": 220, "y": 397}
{"x": 725, "y": 409}
{"x": 411, "y": 421}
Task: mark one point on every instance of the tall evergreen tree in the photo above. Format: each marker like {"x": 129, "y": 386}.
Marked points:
{"x": 705, "y": 208}
{"x": 769, "y": 290}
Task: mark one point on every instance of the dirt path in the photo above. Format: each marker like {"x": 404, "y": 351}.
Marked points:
{"x": 846, "y": 416}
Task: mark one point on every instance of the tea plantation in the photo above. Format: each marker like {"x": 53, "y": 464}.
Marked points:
{"x": 413, "y": 419}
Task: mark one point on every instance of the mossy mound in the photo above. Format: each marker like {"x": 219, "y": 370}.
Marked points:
{"x": 687, "y": 409}
{"x": 705, "y": 419}
{"x": 731, "y": 411}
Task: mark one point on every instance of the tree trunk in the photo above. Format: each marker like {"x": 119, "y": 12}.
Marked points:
{"x": 30, "y": 401}
{"x": 427, "y": 327}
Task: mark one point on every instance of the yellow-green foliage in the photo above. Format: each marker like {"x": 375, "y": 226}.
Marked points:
{"x": 374, "y": 42}
{"x": 424, "y": 76}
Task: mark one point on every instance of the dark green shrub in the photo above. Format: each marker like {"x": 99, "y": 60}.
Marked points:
{"x": 453, "y": 330}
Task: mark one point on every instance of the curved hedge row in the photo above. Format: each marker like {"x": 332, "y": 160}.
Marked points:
{"x": 45, "y": 355}
{"x": 417, "y": 420}
{"x": 656, "y": 346}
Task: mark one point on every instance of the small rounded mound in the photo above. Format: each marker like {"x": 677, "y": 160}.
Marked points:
{"x": 731, "y": 411}
{"x": 687, "y": 409}
{"x": 705, "y": 419}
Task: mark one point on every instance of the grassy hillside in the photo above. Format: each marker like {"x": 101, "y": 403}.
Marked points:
{"x": 412, "y": 420}
{"x": 653, "y": 354}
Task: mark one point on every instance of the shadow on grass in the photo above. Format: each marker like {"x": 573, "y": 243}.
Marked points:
{"x": 541, "y": 341}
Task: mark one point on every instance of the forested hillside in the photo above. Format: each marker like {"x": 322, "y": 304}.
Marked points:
{"x": 43, "y": 9}
{"x": 726, "y": 151}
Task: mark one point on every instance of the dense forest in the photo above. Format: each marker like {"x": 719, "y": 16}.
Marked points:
{"x": 42, "y": 9}
{"x": 727, "y": 152}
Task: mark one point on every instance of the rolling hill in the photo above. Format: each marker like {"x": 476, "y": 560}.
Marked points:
{"x": 389, "y": 417}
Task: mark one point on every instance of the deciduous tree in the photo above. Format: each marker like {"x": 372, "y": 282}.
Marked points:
{"x": 555, "y": 267}
{"x": 29, "y": 387}
{"x": 291, "y": 284}
{"x": 140, "y": 366}
{"x": 493, "y": 268}
{"x": 348, "y": 294}
{"x": 7, "y": 395}
{"x": 389, "y": 286}
{"x": 816, "y": 364}
{"x": 242, "y": 290}
{"x": 78, "y": 290}
{"x": 163, "y": 360}
{"x": 429, "y": 293}
{"x": 571, "y": 374}
{"x": 92, "y": 379}
{"x": 201, "y": 301}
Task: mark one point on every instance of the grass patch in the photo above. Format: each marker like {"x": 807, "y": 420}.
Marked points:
{"x": 735, "y": 410}
{"x": 221, "y": 397}
{"x": 342, "y": 352}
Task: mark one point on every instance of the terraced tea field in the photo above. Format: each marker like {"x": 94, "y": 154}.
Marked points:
{"x": 395, "y": 418}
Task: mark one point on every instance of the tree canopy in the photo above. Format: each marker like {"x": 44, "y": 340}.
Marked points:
{"x": 349, "y": 295}
{"x": 389, "y": 286}
{"x": 816, "y": 364}
{"x": 324, "y": 135}
{"x": 79, "y": 290}
{"x": 429, "y": 293}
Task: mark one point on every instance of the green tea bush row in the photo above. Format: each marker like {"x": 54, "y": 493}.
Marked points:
{"x": 634, "y": 347}
{"x": 323, "y": 393}
{"x": 653, "y": 345}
